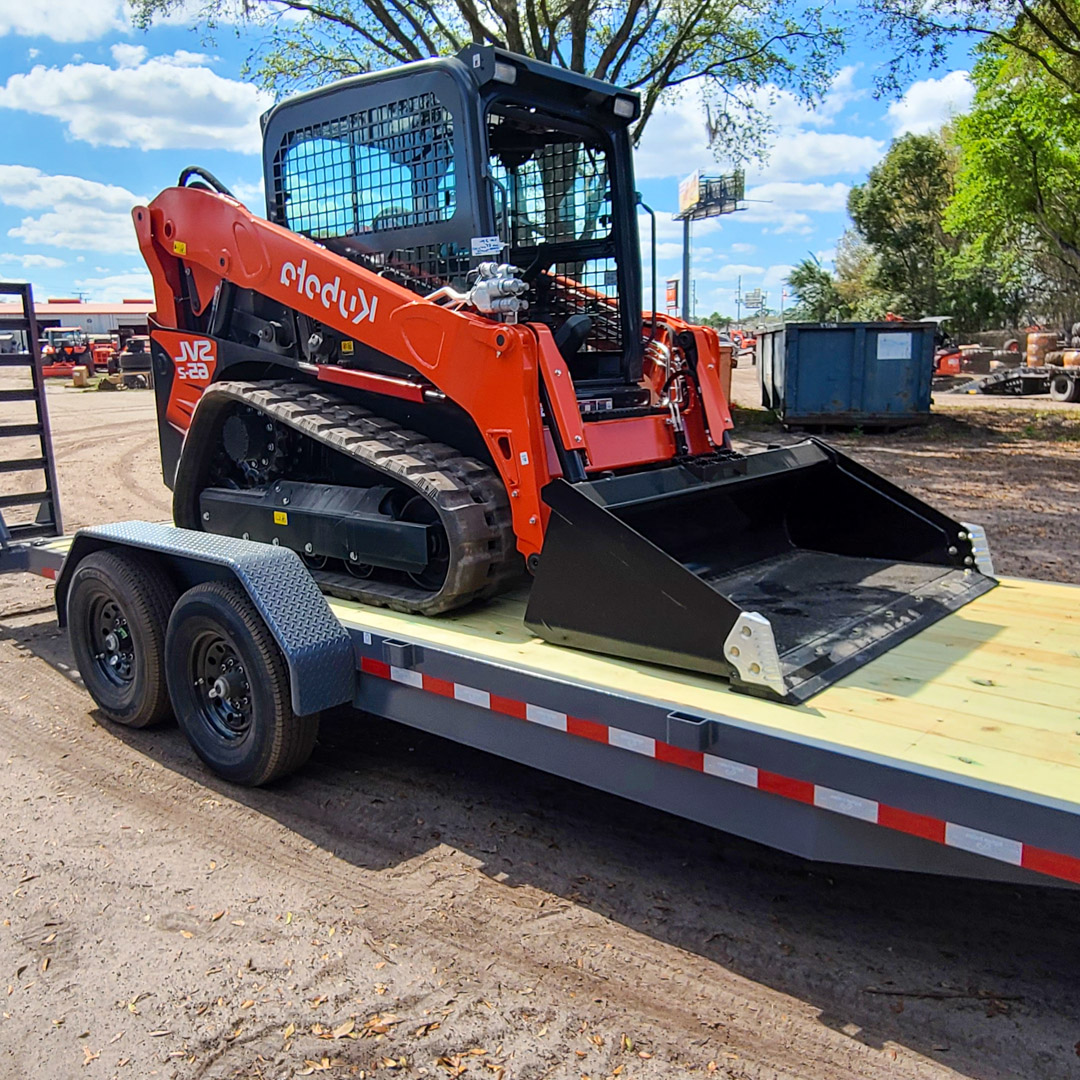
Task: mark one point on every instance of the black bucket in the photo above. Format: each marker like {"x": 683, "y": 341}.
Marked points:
{"x": 781, "y": 571}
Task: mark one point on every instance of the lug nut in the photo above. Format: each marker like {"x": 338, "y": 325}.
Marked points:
{"x": 206, "y": 515}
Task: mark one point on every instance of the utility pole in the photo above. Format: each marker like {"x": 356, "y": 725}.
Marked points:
{"x": 686, "y": 269}
{"x": 738, "y": 302}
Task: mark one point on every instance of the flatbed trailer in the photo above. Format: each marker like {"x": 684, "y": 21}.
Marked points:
{"x": 957, "y": 752}
{"x": 1061, "y": 383}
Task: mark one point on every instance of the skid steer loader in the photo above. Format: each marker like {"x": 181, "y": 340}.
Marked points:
{"x": 427, "y": 370}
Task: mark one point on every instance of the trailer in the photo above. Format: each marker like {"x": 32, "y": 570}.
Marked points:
{"x": 1061, "y": 383}
{"x": 956, "y": 752}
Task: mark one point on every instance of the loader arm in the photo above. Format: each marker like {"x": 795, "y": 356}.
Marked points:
{"x": 194, "y": 240}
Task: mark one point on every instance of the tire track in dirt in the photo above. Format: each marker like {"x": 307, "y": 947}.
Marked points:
{"x": 673, "y": 999}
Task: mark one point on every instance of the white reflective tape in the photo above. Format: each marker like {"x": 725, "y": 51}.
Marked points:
{"x": 367, "y": 638}
{"x": 983, "y": 843}
{"x": 628, "y": 740}
{"x": 840, "y": 802}
{"x": 472, "y": 696}
{"x": 409, "y": 678}
{"x": 731, "y": 770}
{"x": 548, "y": 717}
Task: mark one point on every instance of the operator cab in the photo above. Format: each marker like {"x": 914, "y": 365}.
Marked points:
{"x": 424, "y": 172}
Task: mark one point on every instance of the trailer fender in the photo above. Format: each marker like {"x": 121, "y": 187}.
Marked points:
{"x": 316, "y": 647}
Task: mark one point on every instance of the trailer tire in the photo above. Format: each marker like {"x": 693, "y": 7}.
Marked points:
{"x": 1063, "y": 387}
{"x": 229, "y": 686}
{"x": 117, "y": 609}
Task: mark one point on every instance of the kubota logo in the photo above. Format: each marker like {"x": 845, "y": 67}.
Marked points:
{"x": 195, "y": 359}
{"x": 331, "y": 293}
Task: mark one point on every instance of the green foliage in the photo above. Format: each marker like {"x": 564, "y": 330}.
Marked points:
{"x": 730, "y": 52}
{"x": 817, "y": 298}
{"x": 1018, "y": 187}
{"x": 899, "y": 212}
{"x": 1025, "y": 34}
{"x": 717, "y": 321}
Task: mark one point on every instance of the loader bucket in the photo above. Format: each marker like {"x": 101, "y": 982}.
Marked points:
{"x": 781, "y": 571}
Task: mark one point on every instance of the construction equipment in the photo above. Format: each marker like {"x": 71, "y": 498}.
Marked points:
{"x": 63, "y": 349}
{"x": 429, "y": 371}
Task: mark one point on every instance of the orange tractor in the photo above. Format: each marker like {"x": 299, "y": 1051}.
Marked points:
{"x": 427, "y": 370}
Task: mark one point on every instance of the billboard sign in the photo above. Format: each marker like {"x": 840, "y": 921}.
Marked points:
{"x": 690, "y": 192}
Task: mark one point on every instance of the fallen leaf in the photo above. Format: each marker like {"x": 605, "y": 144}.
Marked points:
{"x": 186, "y": 934}
{"x": 289, "y": 1031}
{"x": 427, "y": 1029}
{"x": 344, "y": 1029}
{"x": 246, "y": 1004}
{"x": 89, "y": 1055}
{"x": 158, "y": 1034}
{"x": 45, "y": 964}
{"x": 381, "y": 988}
{"x": 217, "y": 915}
{"x": 238, "y": 922}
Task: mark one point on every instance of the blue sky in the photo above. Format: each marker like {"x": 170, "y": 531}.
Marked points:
{"x": 95, "y": 116}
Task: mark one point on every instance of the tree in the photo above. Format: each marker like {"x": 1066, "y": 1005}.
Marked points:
{"x": 817, "y": 298}
{"x": 899, "y": 212}
{"x": 733, "y": 53}
{"x": 1040, "y": 34}
{"x": 1018, "y": 186}
{"x": 717, "y": 321}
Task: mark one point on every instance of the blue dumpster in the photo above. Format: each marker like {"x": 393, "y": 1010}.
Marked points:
{"x": 847, "y": 374}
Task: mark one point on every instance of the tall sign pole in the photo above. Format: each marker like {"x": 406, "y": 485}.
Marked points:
{"x": 703, "y": 197}
{"x": 686, "y": 261}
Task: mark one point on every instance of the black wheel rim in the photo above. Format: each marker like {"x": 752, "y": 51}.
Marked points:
{"x": 221, "y": 687}
{"x": 418, "y": 509}
{"x": 109, "y": 635}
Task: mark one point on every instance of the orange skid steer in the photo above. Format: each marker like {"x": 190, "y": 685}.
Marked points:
{"x": 427, "y": 370}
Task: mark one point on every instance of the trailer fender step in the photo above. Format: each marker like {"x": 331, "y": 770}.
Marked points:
{"x": 316, "y": 647}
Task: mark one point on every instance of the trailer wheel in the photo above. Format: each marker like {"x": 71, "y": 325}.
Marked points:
{"x": 1062, "y": 388}
{"x": 117, "y": 608}
{"x": 230, "y": 687}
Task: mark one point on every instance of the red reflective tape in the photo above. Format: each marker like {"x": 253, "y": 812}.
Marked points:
{"x": 799, "y": 790}
{"x": 914, "y": 824}
{"x": 587, "y": 729}
{"x": 508, "y": 706}
{"x": 49, "y": 572}
{"x": 374, "y": 667}
{"x": 688, "y": 759}
{"x": 1049, "y": 862}
{"x": 438, "y": 686}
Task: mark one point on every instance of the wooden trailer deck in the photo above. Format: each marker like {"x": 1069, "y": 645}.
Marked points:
{"x": 991, "y": 693}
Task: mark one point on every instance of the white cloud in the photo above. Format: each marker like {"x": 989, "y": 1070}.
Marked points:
{"x": 787, "y": 206}
{"x": 730, "y": 272}
{"x": 675, "y": 142}
{"x": 31, "y": 262}
{"x": 79, "y": 214}
{"x": 744, "y": 249}
{"x": 930, "y": 103}
{"x": 165, "y": 102}
{"x": 128, "y": 55}
{"x": 776, "y": 275}
{"x": 62, "y": 20}
{"x": 803, "y": 155}
{"x": 131, "y": 283}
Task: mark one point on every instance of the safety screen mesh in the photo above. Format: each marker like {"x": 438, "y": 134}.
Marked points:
{"x": 556, "y": 185}
{"x": 557, "y": 202}
{"x": 376, "y": 170}
{"x": 423, "y": 268}
{"x": 584, "y": 288}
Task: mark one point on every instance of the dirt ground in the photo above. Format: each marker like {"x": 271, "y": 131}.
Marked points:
{"x": 406, "y": 907}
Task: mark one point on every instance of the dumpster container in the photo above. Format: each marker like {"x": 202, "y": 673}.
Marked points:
{"x": 847, "y": 374}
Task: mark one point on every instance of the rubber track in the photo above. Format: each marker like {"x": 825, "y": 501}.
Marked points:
{"x": 470, "y": 498}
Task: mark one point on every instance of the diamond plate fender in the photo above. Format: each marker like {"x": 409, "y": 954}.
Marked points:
{"x": 316, "y": 647}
